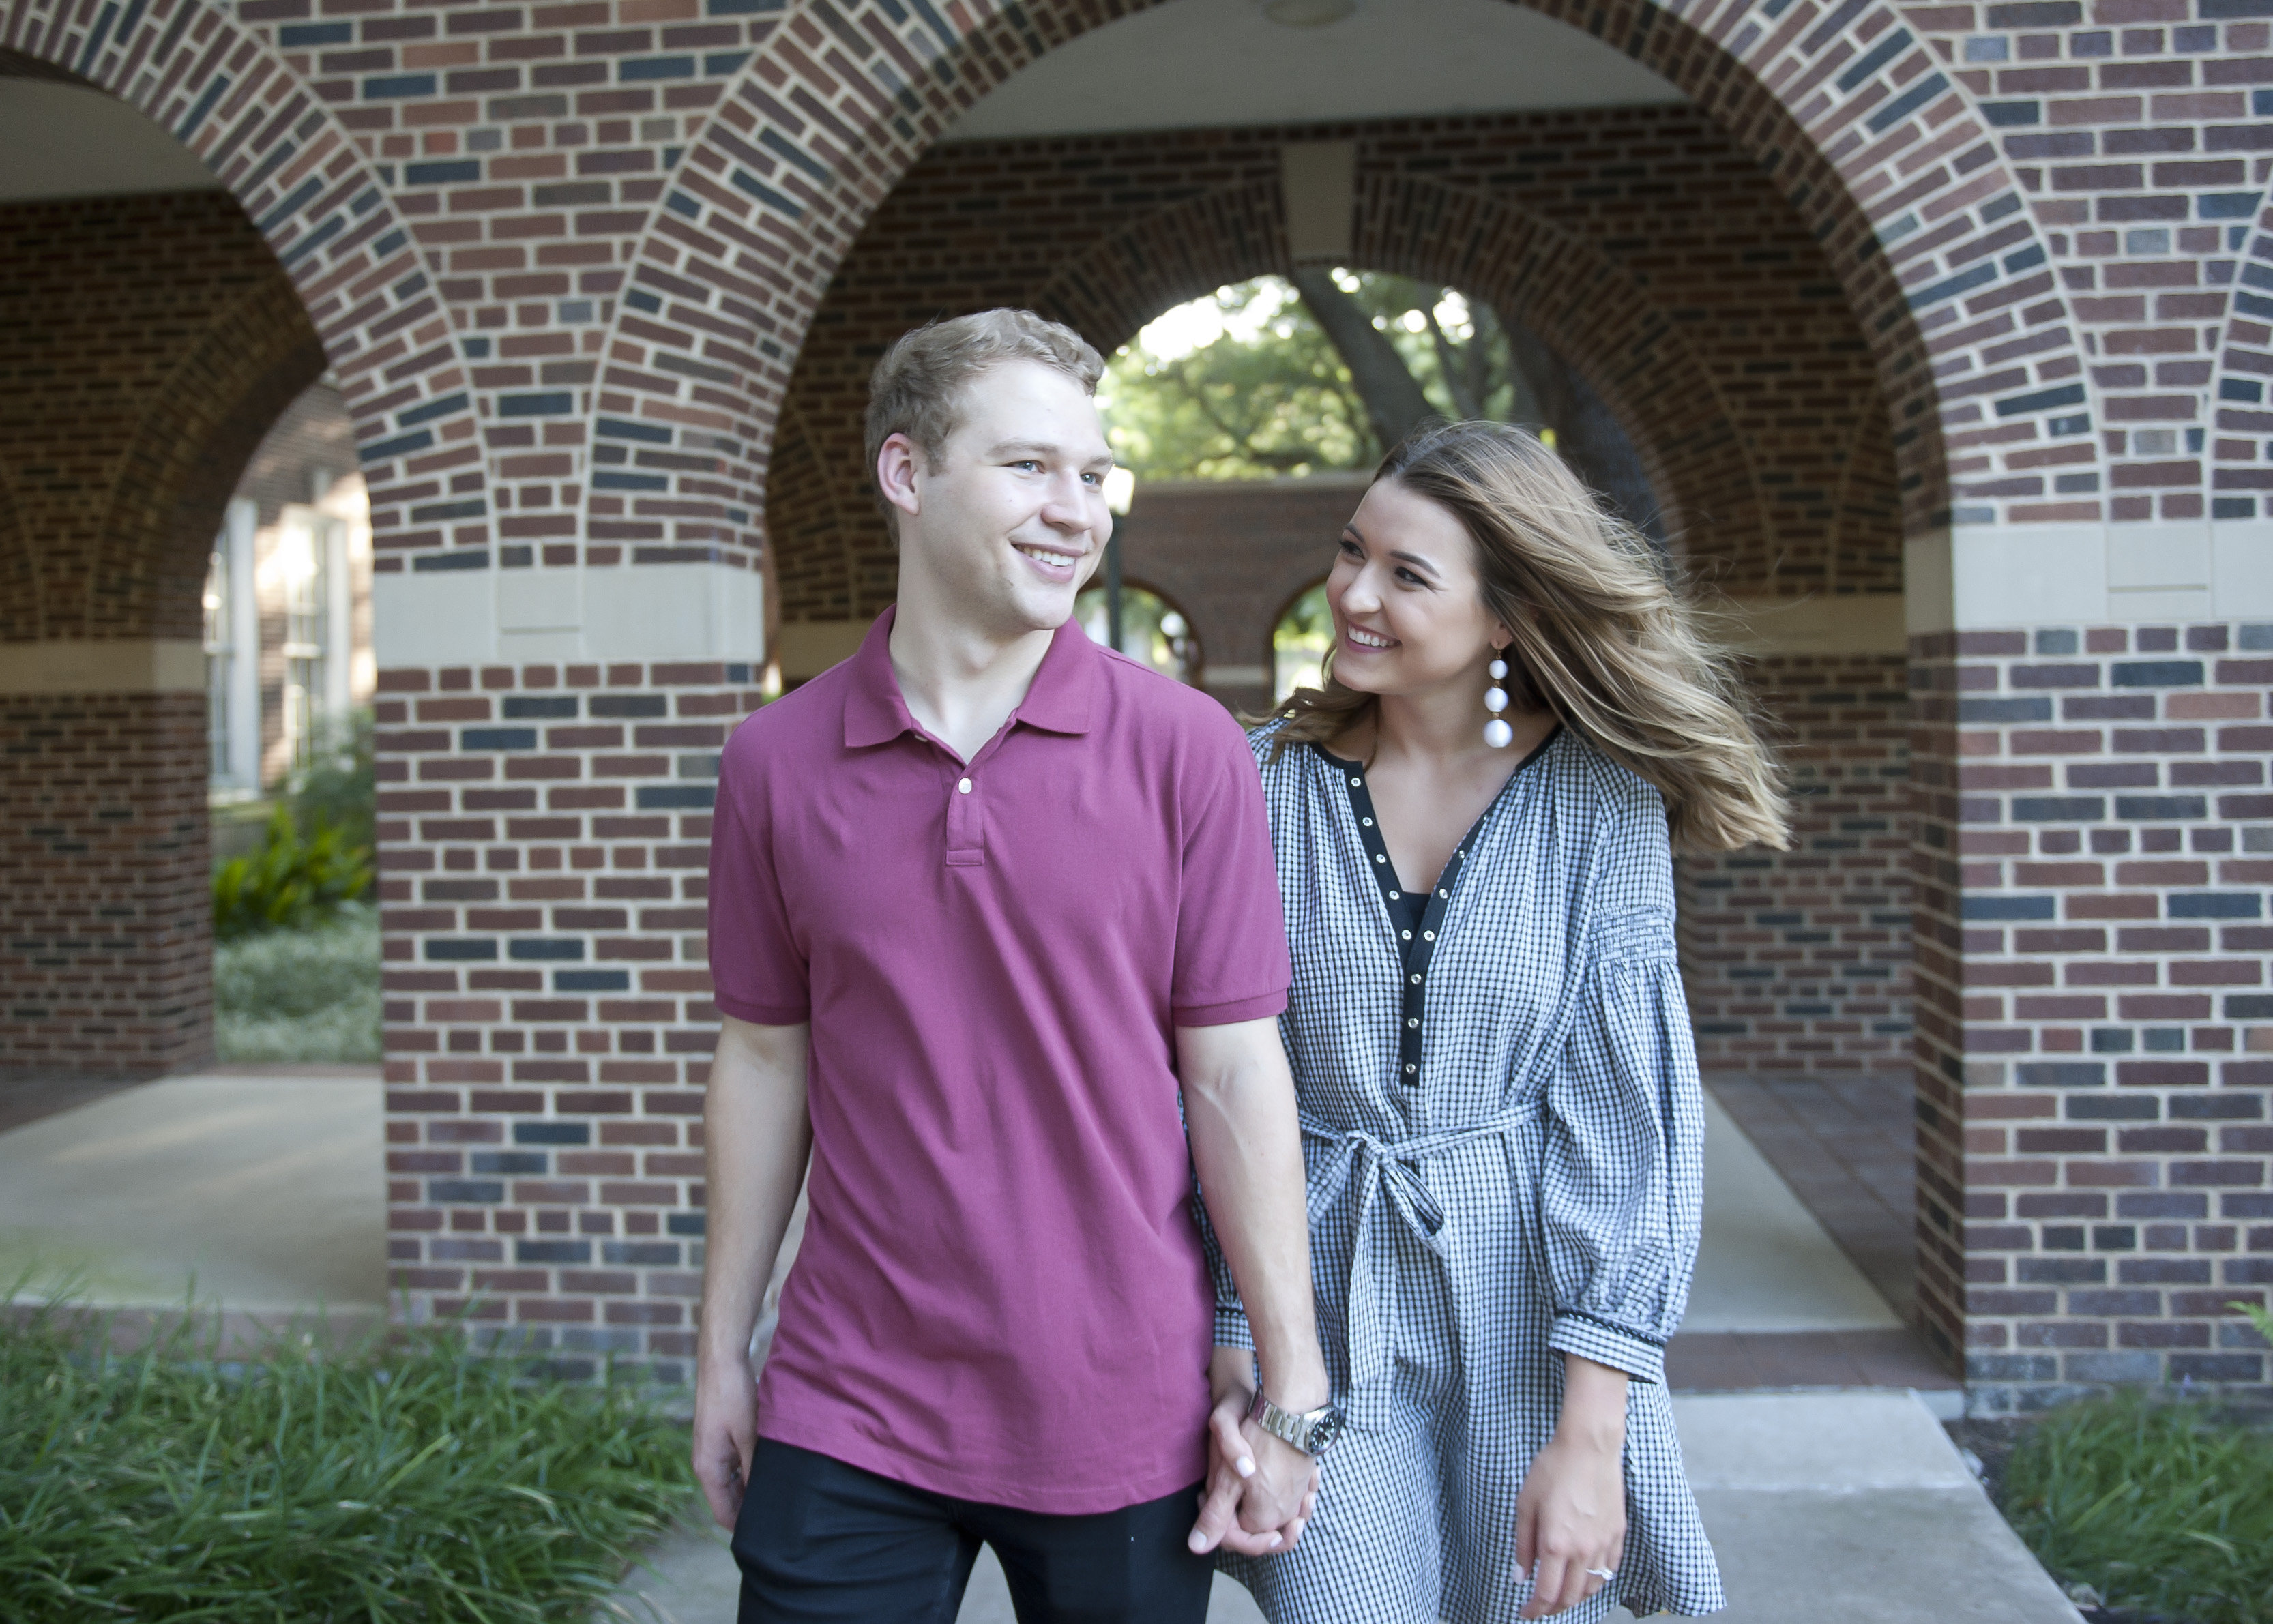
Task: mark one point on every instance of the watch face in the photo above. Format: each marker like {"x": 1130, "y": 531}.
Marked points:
{"x": 1327, "y": 1429}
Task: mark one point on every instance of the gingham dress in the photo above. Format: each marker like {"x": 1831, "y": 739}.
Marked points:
{"x": 1503, "y": 1128}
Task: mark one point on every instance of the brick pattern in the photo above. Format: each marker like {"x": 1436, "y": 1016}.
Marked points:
{"x": 1799, "y": 961}
{"x": 545, "y": 834}
{"x": 130, "y": 400}
{"x": 216, "y": 78}
{"x": 1745, "y": 385}
{"x": 2097, "y": 846}
{"x": 106, "y": 908}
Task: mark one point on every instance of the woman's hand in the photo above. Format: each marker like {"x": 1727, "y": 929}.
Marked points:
{"x": 1250, "y": 1508}
{"x": 1572, "y": 1514}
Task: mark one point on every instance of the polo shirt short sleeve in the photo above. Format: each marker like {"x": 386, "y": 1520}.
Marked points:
{"x": 1000, "y": 1294}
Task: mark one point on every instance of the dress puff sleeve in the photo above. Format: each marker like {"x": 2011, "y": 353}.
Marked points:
{"x": 1622, "y": 1188}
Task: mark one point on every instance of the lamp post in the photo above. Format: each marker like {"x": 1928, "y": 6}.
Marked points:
{"x": 1119, "y": 493}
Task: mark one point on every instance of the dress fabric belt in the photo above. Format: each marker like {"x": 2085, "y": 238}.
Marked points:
{"x": 1395, "y": 1167}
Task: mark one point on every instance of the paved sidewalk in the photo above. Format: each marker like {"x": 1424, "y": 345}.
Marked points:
{"x": 270, "y": 1190}
{"x": 1846, "y": 1505}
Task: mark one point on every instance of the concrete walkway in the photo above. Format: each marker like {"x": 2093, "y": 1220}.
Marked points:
{"x": 269, "y": 1190}
{"x": 1851, "y": 1505}
{"x": 1846, "y": 1505}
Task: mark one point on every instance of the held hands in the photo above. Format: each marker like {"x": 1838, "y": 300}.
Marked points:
{"x": 1261, "y": 1490}
{"x": 1571, "y": 1518}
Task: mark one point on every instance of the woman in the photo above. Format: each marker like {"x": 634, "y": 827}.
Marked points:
{"x": 1474, "y": 821}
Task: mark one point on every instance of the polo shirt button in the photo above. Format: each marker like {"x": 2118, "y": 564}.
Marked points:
{"x": 1409, "y": 1070}
{"x": 1379, "y": 858}
{"x": 965, "y": 786}
{"x": 1412, "y": 1023}
{"x": 1416, "y": 981}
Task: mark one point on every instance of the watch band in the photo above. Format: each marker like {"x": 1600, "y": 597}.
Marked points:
{"x": 1311, "y": 1430}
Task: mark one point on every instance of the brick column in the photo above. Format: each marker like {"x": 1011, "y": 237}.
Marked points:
{"x": 545, "y": 830}
{"x": 2094, "y": 1027}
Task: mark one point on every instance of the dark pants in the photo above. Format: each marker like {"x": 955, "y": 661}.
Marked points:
{"x": 823, "y": 1543}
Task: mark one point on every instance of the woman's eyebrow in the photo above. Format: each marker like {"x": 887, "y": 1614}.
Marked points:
{"x": 1416, "y": 560}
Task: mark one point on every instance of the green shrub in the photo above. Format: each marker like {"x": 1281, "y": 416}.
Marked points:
{"x": 338, "y": 788}
{"x": 2153, "y": 1503}
{"x": 416, "y": 1486}
{"x": 300, "y": 995}
{"x": 293, "y": 881}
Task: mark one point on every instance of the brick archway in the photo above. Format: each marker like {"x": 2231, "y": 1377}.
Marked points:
{"x": 224, "y": 93}
{"x": 1579, "y": 303}
{"x": 1849, "y": 115}
{"x": 195, "y": 436}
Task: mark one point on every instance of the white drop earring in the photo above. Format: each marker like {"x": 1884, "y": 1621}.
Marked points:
{"x": 1498, "y": 733}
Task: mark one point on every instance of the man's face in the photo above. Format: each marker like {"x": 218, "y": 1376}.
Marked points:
{"x": 1012, "y": 520}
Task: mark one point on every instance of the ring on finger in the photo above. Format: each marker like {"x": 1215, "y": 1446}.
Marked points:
{"x": 1603, "y": 1574}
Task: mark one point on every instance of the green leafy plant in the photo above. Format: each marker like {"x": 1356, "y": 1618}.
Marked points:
{"x": 419, "y": 1484}
{"x": 2156, "y": 1504}
{"x": 2257, "y": 1317}
{"x": 291, "y": 881}
{"x": 301, "y": 995}
{"x": 338, "y": 786}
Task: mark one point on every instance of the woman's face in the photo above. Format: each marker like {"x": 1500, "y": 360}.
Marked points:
{"x": 1408, "y": 605}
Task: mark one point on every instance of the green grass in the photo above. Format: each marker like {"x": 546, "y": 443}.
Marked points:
{"x": 410, "y": 1487}
{"x": 2155, "y": 1503}
{"x": 300, "y": 995}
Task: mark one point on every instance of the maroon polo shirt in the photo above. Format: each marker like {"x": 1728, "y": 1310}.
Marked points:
{"x": 1000, "y": 1294}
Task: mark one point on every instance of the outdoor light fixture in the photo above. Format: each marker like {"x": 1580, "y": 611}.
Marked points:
{"x": 1308, "y": 13}
{"x": 1120, "y": 491}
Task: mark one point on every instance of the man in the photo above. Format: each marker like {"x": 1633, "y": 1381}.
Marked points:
{"x": 986, "y": 902}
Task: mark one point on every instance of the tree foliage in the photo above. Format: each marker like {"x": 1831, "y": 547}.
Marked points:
{"x": 1328, "y": 370}
{"x": 1272, "y": 393}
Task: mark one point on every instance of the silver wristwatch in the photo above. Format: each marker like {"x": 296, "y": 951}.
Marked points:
{"x": 1313, "y": 1431}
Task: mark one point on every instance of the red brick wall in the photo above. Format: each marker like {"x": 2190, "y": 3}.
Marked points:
{"x": 546, "y": 835}
{"x": 1799, "y": 961}
{"x": 2095, "y": 851}
{"x": 146, "y": 343}
{"x": 105, "y": 929}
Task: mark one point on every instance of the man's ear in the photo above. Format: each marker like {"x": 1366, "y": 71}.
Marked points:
{"x": 895, "y": 473}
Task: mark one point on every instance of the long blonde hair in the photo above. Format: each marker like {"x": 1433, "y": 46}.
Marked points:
{"x": 1599, "y": 638}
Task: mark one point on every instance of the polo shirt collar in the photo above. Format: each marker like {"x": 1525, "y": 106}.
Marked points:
{"x": 1058, "y": 701}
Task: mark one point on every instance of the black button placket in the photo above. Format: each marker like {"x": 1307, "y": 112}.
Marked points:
{"x": 1418, "y": 951}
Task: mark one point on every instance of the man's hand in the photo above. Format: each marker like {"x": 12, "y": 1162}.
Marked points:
{"x": 1261, "y": 1490}
{"x": 725, "y": 1432}
{"x": 755, "y": 1137}
{"x": 1571, "y": 1518}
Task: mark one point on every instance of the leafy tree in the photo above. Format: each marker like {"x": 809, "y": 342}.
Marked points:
{"x": 1328, "y": 368}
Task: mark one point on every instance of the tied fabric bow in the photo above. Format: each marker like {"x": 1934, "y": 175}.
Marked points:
{"x": 1394, "y": 1167}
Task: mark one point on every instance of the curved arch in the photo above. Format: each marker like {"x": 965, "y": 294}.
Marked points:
{"x": 224, "y": 94}
{"x": 1536, "y": 275}
{"x": 1886, "y": 157}
{"x": 2241, "y": 416}
{"x": 172, "y": 483}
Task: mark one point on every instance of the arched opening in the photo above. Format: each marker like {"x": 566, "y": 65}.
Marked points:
{"x": 1152, "y": 630}
{"x": 1755, "y": 408}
